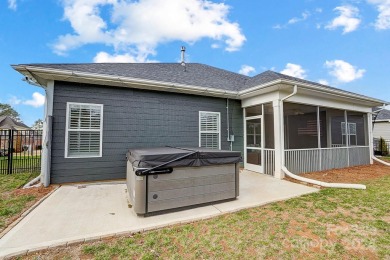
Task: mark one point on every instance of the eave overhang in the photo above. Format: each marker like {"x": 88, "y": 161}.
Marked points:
{"x": 44, "y": 75}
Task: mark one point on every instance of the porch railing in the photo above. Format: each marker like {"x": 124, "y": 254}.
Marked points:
{"x": 320, "y": 159}
{"x": 269, "y": 161}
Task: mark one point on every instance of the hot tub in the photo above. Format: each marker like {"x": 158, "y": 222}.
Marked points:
{"x": 166, "y": 178}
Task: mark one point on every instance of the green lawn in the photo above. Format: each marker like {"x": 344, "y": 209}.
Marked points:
{"x": 331, "y": 224}
{"x": 12, "y": 204}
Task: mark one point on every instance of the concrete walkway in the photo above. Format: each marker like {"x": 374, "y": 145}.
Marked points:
{"x": 72, "y": 214}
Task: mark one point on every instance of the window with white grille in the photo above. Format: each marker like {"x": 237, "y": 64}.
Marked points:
{"x": 209, "y": 130}
{"x": 351, "y": 133}
{"x": 84, "y": 129}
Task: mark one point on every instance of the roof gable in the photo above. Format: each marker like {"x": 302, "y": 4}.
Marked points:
{"x": 8, "y": 123}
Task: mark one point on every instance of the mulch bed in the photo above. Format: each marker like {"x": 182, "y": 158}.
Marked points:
{"x": 357, "y": 174}
{"x": 37, "y": 192}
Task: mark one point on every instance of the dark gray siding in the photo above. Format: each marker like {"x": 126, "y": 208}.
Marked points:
{"x": 133, "y": 118}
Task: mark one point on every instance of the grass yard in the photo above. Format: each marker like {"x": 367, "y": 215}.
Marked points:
{"x": 330, "y": 224}
{"x": 13, "y": 201}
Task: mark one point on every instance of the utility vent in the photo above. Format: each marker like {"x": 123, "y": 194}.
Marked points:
{"x": 183, "y": 63}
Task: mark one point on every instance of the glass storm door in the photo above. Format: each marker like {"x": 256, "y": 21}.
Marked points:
{"x": 253, "y": 147}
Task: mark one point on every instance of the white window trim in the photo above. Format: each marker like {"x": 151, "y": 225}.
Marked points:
{"x": 68, "y": 104}
{"x": 219, "y": 127}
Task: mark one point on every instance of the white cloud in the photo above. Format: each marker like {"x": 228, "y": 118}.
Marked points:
{"x": 102, "y": 57}
{"x": 277, "y": 26}
{"x": 343, "y": 71}
{"x": 246, "y": 70}
{"x": 294, "y": 70}
{"x": 14, "y": 101}
{"x": 323, "y": 82}
{"x": 293, "y": 20}
{"x": 12, "y": 4}
{"x": 348, "y": 19}
{"x": 303, "y": 17}
{"x": 138, "y": 27}
{"x": 37, "y": 100}
{"x": 383, "y": 20}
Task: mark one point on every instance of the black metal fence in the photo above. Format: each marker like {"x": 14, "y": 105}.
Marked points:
{"x": 20, "y": 151}
{"x": 381, "y": 147}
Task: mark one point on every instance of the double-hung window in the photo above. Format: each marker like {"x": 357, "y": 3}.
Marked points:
{"x": 84, "y": 130}
{"x": 349, "y": 133}
{"x": 210, "y": 129}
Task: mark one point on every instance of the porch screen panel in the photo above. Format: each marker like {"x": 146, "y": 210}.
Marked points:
{"x": 337, "y": 128}
{"x": 269, "y": 126}
{"x": 300, "y": 126}
{"x": 356, "y": 128}
{"x": 84, "y": 130}
{"x": 209, "y": 130}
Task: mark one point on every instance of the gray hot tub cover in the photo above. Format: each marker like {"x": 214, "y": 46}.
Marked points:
{"x": 152, "y": 157}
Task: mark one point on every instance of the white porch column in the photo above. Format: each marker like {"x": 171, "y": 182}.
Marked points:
{"x": 45, "y": 172}
{"x": 370, "y": 136}
{"x": 278, "y": 136}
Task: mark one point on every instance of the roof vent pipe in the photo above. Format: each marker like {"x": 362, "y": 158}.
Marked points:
{"x": 183, "y": 50}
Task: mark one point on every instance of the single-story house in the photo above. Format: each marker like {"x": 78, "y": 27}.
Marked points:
{"x": 20, "y": 135}
{"x": 381, "y": 121}
{"x": 381, "y": 129}
{"x": 9, "y": 123}
{"x": 95, "y": 112}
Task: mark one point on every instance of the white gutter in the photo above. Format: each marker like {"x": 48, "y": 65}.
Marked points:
{"x": 292, "y": 94}
{"x": 380, "y": 161}
{"x": 186, "y": 88}
{"x": 337, "y": 92}
{"x": 263, "y": 86}
{"x": 323, "y": 184}
{"x": 177, "y": 87}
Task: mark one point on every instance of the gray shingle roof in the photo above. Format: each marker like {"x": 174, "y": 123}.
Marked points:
{"x": 7, "y": 122}
{"x": 382, "y": 115}
{"x": 195, "y": 74}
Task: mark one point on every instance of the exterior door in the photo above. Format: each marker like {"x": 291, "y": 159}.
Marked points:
{"x": 253, "y": 143}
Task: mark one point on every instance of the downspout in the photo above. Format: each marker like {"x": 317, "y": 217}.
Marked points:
{"x": 281, "y": 116}
{"x": 292, "y": 94}
{"x": 300, "y": 178}
{"x": 380, "y": 161}
{"x": 47, "y": 127}
{"x": 229, "y": 139}
{"x": 323, "y": 184}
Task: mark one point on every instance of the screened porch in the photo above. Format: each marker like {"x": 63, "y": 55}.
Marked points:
{"x": 311, "y": 138}
{"x": 318, "y": 138}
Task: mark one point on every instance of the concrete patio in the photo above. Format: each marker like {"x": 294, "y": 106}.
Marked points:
{"x": 73, "y": 214}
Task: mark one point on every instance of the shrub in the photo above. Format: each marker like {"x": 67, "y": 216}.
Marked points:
{"x": 383, "y": 146}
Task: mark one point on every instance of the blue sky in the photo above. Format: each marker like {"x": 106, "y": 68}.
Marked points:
{"x": 345, "y": 44}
